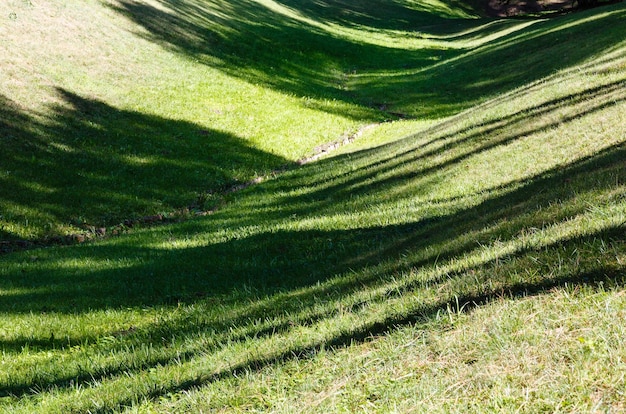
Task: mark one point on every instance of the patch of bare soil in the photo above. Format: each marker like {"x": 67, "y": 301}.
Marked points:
{"x": 511, "y": 8}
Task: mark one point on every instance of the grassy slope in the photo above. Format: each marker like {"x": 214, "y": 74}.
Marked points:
{"x": 152, "y": 107}
{"x": 477, "y": 263}
{"x": 100, "y": 124}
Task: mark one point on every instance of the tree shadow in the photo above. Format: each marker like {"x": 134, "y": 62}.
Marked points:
{"x": 533, "y": 53}
{"x": 588, "y": 271}
{"x": 89, "y": 164}
{"x": 289, "y": 259}
{"x": 252, "y": 41}
{"x": 288, "y": 48}
{"x": 292, "y": 259}
{"x": 425, "y": 165}
{"x": 290, "y": 272}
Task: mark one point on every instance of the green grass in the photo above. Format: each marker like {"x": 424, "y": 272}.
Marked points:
{"x": 152, "y": 107}
{"x": 114, "y": 127}
{"x": 471, "y": 259}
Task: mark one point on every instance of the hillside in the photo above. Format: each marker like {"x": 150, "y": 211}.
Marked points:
{"x": 464, "y": 253}
{"x": 151, "y": 108}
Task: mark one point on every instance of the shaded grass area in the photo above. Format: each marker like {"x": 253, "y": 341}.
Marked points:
{"x": 54, "y": 58}
{"x": 288, "y": 46}
{"x": 405, "y": 236}
{"x": 87, "y": 159}
{"x": 284, "y": 258}
{"x": 526, "y": 55}
{"x": 518, "y": 200}
{"x": 88, "y": 164}
{"x": 490, "y": 359}
{"x": 365, "y": 302}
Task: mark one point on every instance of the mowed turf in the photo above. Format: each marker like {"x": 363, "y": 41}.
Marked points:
{"x": 470, "y": 259}
{"x": 114, "y": 111}
{"x": 101, "y": 125}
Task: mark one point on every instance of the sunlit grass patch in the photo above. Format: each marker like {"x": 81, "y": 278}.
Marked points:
{"x": 492, "y": 359}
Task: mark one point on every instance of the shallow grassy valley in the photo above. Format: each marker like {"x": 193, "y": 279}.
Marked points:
{"x": 463, "y": 251}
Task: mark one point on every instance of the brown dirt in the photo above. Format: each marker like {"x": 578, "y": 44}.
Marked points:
{"x": 511, "y": 8}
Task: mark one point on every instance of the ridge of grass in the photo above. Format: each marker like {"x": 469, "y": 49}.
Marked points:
{"x": 475, "y": 264}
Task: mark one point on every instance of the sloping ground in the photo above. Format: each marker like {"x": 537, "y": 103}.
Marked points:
{"x": 100, "y": 124}
{"x": 152, "y": 108}
{"x": 477, "y": 264}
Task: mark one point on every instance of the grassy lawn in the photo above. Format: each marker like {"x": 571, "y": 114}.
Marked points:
{"x": 467, "y": 255}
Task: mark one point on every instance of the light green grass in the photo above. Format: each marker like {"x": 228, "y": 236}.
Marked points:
{"x": 492, "y": 359}
{"x": 100, "y": 125}
{"x": 153, "y": 107}
{"x": 471, "y": 263}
